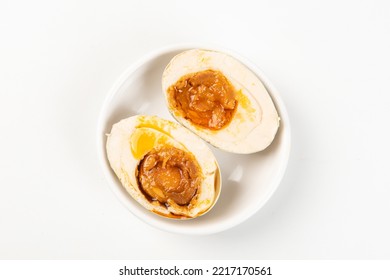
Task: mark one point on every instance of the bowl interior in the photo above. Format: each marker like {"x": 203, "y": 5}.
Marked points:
{"x": 248, "y": 181}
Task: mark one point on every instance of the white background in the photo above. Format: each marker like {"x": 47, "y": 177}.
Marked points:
{"x": 329, "y": 60}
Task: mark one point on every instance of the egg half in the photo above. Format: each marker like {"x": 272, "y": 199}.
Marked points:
{"x": 164, "y": 167}
{"x": 221, "y": 100}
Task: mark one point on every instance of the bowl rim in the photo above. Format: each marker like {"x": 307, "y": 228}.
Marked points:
{"x": 274, "y": 94}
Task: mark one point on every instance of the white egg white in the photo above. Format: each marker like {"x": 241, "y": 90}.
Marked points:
{"x": 255, "y": 122}
{"x": 156, "y": 131}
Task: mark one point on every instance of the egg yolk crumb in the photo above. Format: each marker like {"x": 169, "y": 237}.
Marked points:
{"x": 168, "y": 173}
{"x": 205, "y": 98}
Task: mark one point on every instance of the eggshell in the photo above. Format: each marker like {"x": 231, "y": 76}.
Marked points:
{"x": 255, "y": 122}
{"x": 132, "y": 138}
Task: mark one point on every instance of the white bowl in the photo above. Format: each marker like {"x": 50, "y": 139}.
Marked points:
{"x": 248, "y": 181}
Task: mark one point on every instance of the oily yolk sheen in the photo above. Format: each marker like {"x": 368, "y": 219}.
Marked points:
{"x": 206, "y": 98}
{"x": 142, "y": 141}
{"x": 168, "y": 173}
